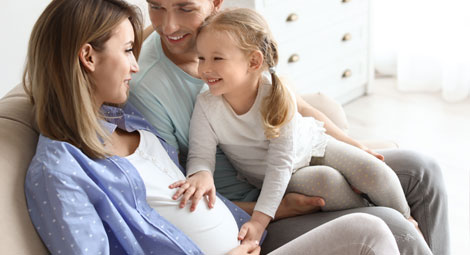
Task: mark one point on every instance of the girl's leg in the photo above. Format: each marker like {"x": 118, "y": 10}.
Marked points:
{"x": 356, "y": 233}
{"x": 328, "y": 183}
{"x": 367, "y": 173}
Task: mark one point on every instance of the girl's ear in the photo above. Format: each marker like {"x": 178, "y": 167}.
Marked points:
{"x": 256, "y": 60}
{"x": 87, "y": 57}
{"x": 217, "y": 4}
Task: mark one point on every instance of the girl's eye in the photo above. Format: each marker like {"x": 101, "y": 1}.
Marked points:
{"x": 218, "y": 58}
{"x": 201, "y": 58}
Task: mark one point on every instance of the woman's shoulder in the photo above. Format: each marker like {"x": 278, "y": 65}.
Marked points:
{"x": 55, "y": 156}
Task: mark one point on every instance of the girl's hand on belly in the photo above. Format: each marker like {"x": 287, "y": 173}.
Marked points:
{"x": 194, "y": 188}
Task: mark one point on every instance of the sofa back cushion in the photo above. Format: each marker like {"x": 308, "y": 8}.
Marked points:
{"x": 18, "y": 139}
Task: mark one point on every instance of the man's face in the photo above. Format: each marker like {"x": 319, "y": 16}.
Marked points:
{"x": 177, "y": 22}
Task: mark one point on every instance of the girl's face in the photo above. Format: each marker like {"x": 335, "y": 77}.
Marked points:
{"x": 114, "y": 65}
{"x": 177, "y": 22}
{"x": 222, "y": 64}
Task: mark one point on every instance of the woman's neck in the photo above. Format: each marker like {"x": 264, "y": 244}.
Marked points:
{"x": 187, "y": 61}
{"x": 242, "y": 100}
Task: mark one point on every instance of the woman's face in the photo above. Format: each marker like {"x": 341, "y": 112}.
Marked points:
{"x": 114, "y": 66}
{"x": 177, "y": 22}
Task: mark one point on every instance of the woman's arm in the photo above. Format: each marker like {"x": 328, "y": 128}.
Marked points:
{"x": 61, "y": 211}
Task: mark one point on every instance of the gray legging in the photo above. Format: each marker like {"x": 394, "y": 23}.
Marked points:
{"x": 330, "y": 177}
{"x": 422, "y": 182}
{"x": 353, "y": 234}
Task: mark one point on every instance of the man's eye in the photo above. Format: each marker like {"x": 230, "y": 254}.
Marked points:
{"x": 186, "y": 10}
{"x": 155, "y": 7}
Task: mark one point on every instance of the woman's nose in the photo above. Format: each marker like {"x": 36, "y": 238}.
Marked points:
{"x": 134, "y": 64}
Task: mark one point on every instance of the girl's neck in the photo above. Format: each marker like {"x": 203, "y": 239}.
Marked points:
{"x": 187, "y": 61}
{"x": 242, "y": 100}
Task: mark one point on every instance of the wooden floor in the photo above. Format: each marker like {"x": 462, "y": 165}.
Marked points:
{"x": 426, "y": 123}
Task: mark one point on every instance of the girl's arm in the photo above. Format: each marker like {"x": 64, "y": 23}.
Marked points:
{"x": 201, "y": 162}
{"x": 279, "y": 164}
{"x": 306, "y": 110}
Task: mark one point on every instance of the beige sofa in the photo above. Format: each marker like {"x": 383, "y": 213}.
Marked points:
{"x": 18, "y": 138}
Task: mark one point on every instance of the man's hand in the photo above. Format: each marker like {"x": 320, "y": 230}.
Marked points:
{"x": 295, "y": 204}
{"x": 195, "y": 187}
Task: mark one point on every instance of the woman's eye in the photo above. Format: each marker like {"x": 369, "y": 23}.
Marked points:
{"x": 130, "y": 50}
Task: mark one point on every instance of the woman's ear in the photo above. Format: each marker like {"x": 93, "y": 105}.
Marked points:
{"x": 87, "y": 58}
{"x": 256, "y": 60}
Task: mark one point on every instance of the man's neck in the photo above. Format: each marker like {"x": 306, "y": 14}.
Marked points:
{"x": 187, "y": 61}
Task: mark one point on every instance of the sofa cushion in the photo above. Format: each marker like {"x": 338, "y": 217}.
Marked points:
{"x": 18, "y": 139}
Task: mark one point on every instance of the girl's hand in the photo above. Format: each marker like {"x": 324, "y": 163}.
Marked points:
{"x": 251, "y": 231}
{"x": 247, "y": 248}
{"x": 195, "y": 187}
{"x": 373, "y": 153}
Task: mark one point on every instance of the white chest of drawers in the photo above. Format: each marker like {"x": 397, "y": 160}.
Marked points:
{"x": 324, "y": 45}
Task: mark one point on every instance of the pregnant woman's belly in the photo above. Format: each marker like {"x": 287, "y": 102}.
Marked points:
{"x": 213, "y": 230}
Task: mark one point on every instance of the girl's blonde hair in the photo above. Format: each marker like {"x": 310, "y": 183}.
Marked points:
{"x": 251, "y": 32}
{"x": 56, "y": 81}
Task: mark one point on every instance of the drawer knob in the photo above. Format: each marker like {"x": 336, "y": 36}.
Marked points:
{"x": 346, "y": 1}
{"x": 346, "y": 37}
{"x": 347, "y": 73}
{"x": 292, "y": 17}
{"x": 293, "y": 58}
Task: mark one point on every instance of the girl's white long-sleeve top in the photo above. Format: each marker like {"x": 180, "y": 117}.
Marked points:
{"x": 265, "y": 163}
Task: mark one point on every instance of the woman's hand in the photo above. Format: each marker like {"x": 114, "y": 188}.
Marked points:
{"x": 195, "y": 187}
{"x": 246, "y": 248}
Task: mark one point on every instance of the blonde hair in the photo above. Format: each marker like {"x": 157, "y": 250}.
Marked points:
{"x": 55, "y": 79}
{"x": 251, "y": 32}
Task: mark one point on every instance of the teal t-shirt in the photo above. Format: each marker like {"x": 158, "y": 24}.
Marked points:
{"x": 166, "y": 95}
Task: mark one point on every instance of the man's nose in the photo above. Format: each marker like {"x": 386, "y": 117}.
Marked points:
{"x": 170, "y": 24}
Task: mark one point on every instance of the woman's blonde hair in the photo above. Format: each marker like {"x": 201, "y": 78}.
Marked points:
{"x": 251, "y": 32}
{"x": 55, "y": 79}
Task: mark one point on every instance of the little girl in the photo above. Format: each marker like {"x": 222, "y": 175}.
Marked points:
{"x": 253, "y": 118}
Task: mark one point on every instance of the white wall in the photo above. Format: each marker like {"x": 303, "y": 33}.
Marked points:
{"x": 16, "y": 21}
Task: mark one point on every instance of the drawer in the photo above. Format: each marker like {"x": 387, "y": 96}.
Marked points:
{"x": 308, "y": 16}
{"x": 336, "y": 79}
{"x": 324, "y": 47}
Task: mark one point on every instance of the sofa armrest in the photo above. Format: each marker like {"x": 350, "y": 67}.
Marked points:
{"x": 332, "y": 109}
{"x": 335, "y": 112}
